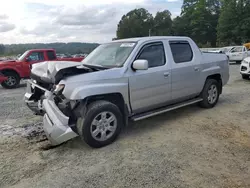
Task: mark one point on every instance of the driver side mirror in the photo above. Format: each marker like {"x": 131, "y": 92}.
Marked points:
{"x": 140, "y": 64}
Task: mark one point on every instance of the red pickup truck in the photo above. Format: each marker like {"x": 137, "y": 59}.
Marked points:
{"x": 11, "y": 72}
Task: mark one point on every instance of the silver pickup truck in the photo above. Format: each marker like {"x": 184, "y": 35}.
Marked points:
{"x": 130, "y": 79}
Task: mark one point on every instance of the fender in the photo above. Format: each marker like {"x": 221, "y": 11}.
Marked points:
{"x": 91, "y": 89}
{"x": 14, "y": 69}
{"x": 214, "y": 70}
{"x": 211, "y": 70}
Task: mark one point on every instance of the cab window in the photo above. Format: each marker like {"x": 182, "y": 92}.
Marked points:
{"x": 181, "y": 51}
{"x": 51, "y": 55}
{"x": 154, "y": 53}
{"x": 36, "y": 56}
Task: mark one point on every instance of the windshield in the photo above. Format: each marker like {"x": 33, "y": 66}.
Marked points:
{"x": 23, "y": 56}
{"x": 227, "y": 49}
{"x": 237, "y": 49}
{"x": 110, "y": 55}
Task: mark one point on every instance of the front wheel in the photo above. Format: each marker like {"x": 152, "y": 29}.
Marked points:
{"x": 210, "y": 94}
{"x": 101, "y": 125}
{"x": 12, "y": 81}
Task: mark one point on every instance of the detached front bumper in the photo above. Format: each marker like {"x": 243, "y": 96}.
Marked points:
{"x": 30, "y": 98}
{"x": 55, "y": 124}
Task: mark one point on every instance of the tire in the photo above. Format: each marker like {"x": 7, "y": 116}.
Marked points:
{"x": 87, "y": 125}
{"x": 13, "y": 83}
{"x": 209, "y": 86}
{"x": 245, "y": 77}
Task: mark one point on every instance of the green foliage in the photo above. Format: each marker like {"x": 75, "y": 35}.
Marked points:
{"x": 234, "y": 22}
{"x": 208, "y": 22}
{"x": 69, "y": 48}
{"x": 199, "y": 20}
{"x": 136, "y": 23}
{"x": 228, "y": 23}
{"x": 2, "y": 49}
{"x": 162, "y": 23}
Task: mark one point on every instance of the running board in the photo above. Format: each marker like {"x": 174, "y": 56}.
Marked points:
{"x": 164, "y": 109}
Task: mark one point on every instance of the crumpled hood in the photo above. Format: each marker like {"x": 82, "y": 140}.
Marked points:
{"x": 47, "y": 71}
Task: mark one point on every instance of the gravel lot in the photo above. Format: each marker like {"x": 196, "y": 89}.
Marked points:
{"x": 188, "y": 147}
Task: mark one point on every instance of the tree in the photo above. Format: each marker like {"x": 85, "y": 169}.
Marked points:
{"x": 2, "y": 49}
{"x": 204, "y": 22}
{"x": 244, "y": 28}
{"x": 181, "y": 27}
{"x": 198, "y": 20}
{"x": 228, "y": 24}
{"x": 162, "y": 23}
{"x": 136, "y": 23}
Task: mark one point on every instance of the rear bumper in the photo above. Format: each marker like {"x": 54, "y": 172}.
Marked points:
{"x": 55, "y": 124}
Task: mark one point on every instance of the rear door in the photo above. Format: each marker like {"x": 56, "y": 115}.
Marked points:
{"x": 185, "y": 70}
{"x": 237, "y": 53}
{"x": 150, "y": 88}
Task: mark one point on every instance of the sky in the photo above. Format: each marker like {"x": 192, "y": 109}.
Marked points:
{"x": 44, "y": 21}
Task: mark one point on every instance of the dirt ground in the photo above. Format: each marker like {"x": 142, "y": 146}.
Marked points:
{"x": 188, "y": 147}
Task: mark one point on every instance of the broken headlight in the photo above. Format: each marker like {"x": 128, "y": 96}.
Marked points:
{"x": 59, "y": 88}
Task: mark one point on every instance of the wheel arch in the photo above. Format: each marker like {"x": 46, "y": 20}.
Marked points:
{"x": 115, "y": 98}
{"x": 10, "y": 70}
{"x": 216, "y": 77}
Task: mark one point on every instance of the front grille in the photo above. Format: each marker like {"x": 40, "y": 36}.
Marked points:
{"x": 243, "y": 68}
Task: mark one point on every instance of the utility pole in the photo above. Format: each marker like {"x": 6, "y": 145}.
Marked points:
{"x": 149, "y": 32}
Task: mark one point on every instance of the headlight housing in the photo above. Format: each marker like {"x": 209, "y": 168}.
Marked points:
{"x": 244, "y": 62}
{"x": 59, "y": 88}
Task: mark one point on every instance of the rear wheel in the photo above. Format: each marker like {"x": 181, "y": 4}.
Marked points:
{"x": 245, "y": 77}
{"x": 101, "y": 125}
{"x": 210, "y": 94}
{"x": 13, "y": 80}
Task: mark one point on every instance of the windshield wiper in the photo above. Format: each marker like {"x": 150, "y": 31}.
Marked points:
{"x": 96, "y": 67}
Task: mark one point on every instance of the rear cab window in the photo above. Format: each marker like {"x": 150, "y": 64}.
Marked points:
{"x": 181, "y": 51}
{"x": 51, "y": 55}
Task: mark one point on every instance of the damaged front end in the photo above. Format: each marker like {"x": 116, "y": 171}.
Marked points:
{"x": 35, "y": 93}
{"x": 56, "y": 123}
{"x": 44, "y": 78}
{"x": 44, "y": 97}
{"x": 58, "y": 112}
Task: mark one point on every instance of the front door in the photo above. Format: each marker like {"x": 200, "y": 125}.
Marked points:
{"x": 33, "y": 57}
{"x": 150, "y": 88}
{"x": 185, "y": 71}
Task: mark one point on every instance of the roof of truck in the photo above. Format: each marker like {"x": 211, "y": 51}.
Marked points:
{"x": 43, "y": 49}
{"x": 144, "y": 39}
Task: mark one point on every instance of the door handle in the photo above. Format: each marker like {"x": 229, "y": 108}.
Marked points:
{"x": 196, "y": 69}
{"x": 166, "y": 74}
